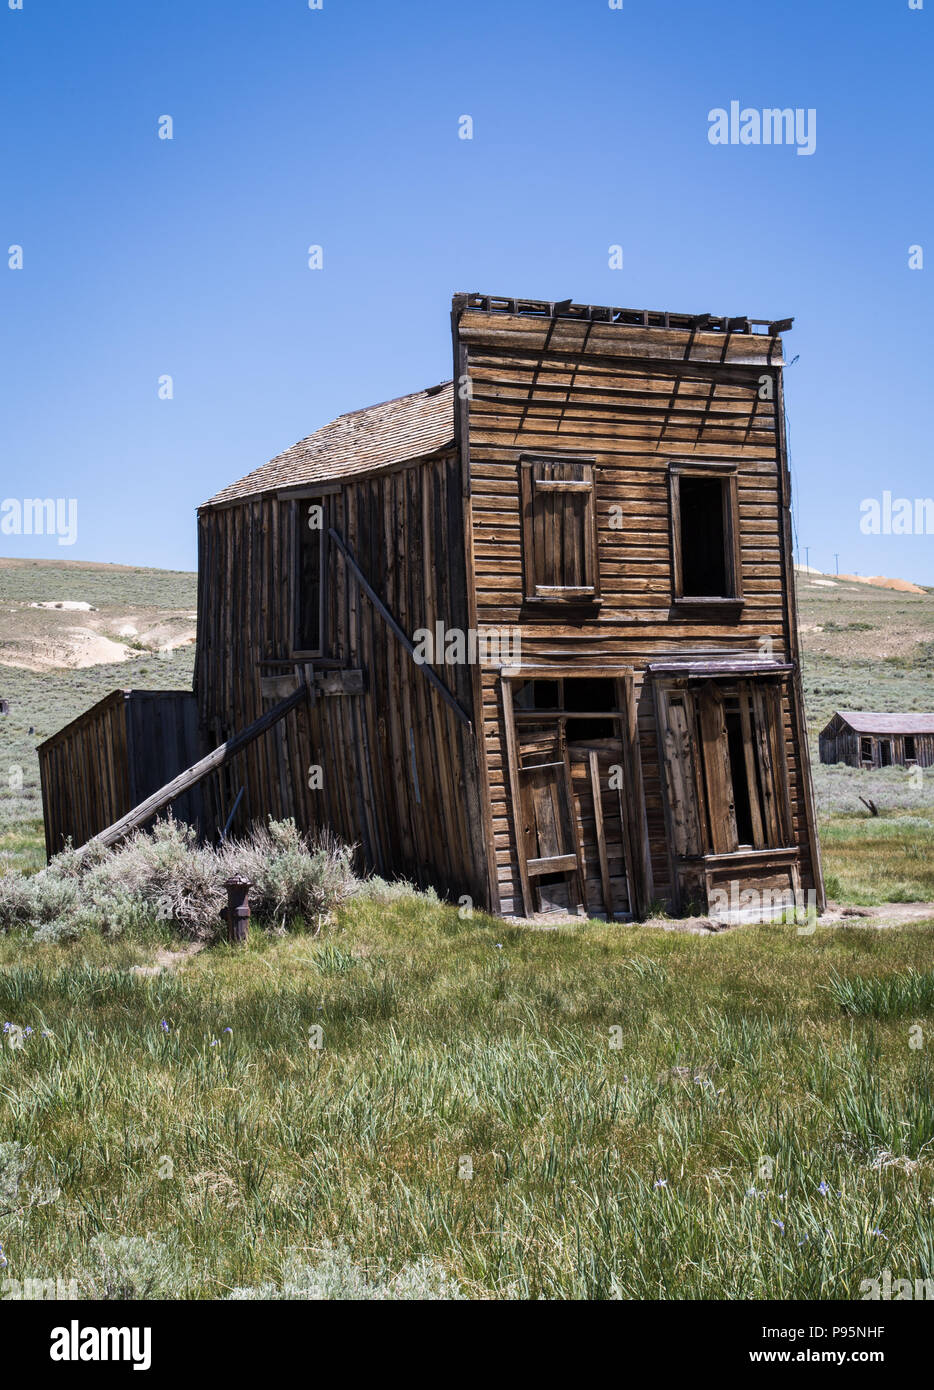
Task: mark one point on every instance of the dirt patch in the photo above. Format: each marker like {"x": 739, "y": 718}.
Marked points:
{"x": 837, "y": 915}
{"x": 879, "y": 581}
{"x": 885, "y": 915}
{"x": 44, "y": 636}
{"x": 168, "y": 960}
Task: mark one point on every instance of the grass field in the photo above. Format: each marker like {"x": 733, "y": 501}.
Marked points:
{"x": 584, "y": 1112}
{"x": 590, "y": 1111}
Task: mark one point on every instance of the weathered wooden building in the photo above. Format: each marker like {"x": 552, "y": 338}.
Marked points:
{"x": 109, "y": 759}
{"x": 543, "y": 617}
{"x": 861, "y": 738}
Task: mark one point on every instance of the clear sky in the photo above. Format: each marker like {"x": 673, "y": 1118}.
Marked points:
{"x": 339, "y": 127}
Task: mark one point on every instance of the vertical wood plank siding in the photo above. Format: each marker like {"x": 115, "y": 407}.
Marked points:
{"x": 399, "y": 769}
{"x": 112, "y": 757}
{"x": 635, "y": 400}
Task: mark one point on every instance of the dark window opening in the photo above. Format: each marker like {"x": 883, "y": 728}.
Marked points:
{"x": 885, "y": 748}
{"x": 537, "y": 695}
{"x": 910, "y": 751}
{"x": 590, "y": 694}
{"x": 308, "y": 625}
{"x": 704, "y": 568}
{"x": 741, "y": 804}
{"x": 576, "y": 700}
{"x": 865, "y": 750}
{"x": 585, "y": 730}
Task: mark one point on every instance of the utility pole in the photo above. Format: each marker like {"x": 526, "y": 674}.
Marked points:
{"x": 836, "y": 561}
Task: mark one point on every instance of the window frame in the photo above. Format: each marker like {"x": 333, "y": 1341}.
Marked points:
{"x": 558, "y": 595}
{"x": 725, "y": 472}
{"x": 295, "y": 502}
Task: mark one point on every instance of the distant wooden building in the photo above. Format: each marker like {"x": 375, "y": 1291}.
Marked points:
{"x": 861, "y": 738}
{"x": 543, "y": 617}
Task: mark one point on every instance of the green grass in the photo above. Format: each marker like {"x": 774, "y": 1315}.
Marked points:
{"x": 645, "y": 1113}
{"x": 874, "y": 859}
{"x": 99, "y": 585}
{"x": 889, "y": 996}
{"x": 22, "y": 846}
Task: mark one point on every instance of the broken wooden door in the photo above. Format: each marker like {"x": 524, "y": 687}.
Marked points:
{"x": 577, "y": 792}
{"x": 549, "y": 833}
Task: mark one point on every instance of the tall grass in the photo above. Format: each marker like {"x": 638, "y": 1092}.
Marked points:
{"x": 595, "y": 1111}
{"x": 884, "y": 996}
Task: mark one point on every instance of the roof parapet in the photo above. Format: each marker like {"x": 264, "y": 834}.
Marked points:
{"x": 599, "y": 313}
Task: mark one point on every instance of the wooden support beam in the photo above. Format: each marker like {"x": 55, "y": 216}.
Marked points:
{"x": 199, "y": 770}
{"x": 330, "y": 682}
{"x": 395, "y": 629}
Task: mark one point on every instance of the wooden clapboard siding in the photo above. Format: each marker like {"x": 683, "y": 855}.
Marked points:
{"x": 633, "y": 400}
{"x": 398, "y": 767}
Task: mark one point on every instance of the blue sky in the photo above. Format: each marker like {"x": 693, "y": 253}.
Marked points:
{"x": 339, "y": 127}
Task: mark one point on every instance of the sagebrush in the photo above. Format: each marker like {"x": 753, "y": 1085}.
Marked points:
{"x": 165, "y": 877}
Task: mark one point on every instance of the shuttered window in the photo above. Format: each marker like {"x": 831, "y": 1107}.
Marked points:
{"x": 559, "y": 537}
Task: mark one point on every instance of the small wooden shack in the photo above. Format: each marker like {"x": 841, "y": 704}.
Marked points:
{"x": 528, "y": 635}
{"x": 105, "y": 762}
{"x": 862, "y": 738}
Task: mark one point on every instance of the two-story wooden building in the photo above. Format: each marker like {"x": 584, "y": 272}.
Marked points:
{"x": 599, "y": 504}
{"x": 544, "y": 614}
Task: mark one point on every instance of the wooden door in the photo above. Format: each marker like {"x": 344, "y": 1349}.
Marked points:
{"x": 550, "y": 832}
{"x": 598, "y": 806}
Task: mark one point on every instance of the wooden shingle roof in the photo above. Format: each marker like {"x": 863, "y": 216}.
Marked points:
{"x": 362, "y": 441}
{"x": 867, "y": 722}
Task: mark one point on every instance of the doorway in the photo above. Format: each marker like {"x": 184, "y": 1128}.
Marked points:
{"x": 575, "y": 807}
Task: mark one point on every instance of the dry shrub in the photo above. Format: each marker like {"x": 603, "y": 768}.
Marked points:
{"x": 165, "y": 875}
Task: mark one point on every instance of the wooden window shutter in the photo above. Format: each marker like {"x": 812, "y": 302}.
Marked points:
{"x": 559, "y": 533}
{"x": 770, "y": 739}
{"x": 680, "y": 765}
{"x": 718, "y": 779}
